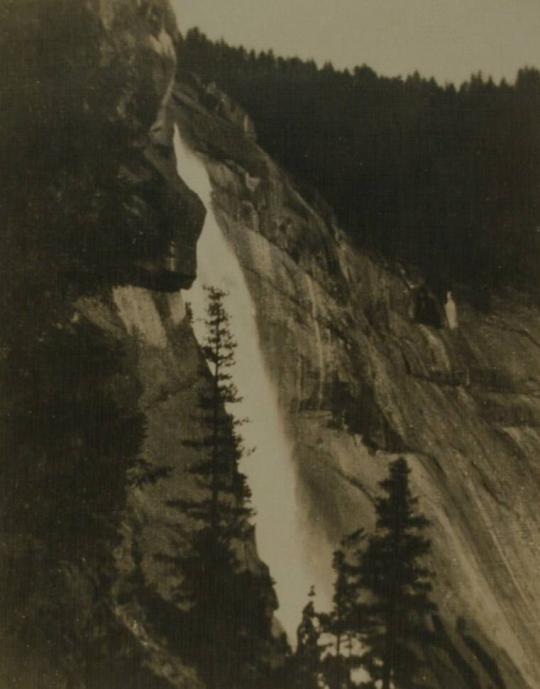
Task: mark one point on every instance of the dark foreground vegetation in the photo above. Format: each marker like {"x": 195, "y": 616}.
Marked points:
{"x": 445, "y": 177}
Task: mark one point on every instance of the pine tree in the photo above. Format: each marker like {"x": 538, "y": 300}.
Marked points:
{"x": 340, "y": 623}
{"x": 225, "y": 511}
{"x": 393, "y": 620}
{"x": 384, "y": 152}
{"x": 228, "y": 604}
{"x": 307, "y": 665}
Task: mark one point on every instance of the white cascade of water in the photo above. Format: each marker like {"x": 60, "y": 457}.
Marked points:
{"x": 269, "y": 470}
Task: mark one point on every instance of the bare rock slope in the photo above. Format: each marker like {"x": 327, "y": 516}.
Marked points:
{"x": 100, "y": 367}
{"x": 361, "y": 382}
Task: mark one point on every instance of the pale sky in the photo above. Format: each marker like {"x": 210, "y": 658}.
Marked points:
{"x": 448, "y": 39}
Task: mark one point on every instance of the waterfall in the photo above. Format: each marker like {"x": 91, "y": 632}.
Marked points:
{"x": 450, "y": 309}
{"x": 269, "y": 470}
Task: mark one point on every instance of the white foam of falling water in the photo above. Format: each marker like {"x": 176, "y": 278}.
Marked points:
{"x": 451, "y": 311}
{"x": 269, "y": 470}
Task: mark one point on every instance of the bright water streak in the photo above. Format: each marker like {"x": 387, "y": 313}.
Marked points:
{"x": 269, "y": 470}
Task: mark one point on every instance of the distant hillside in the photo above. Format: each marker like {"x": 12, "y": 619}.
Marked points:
{"x": 447, "y": 178}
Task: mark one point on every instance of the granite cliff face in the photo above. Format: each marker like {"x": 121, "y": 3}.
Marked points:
{"x": 99, "y": 237}
{"x": 83, "y": 118}
{"x": 361, "y": 382}
{"x": 95, "y": 224}
{"x": 99, "y": 367}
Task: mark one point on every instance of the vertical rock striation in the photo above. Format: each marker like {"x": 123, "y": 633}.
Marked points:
{"x": 100, "y": 371}
{"x": 363, "y": 382}
{"x": 96, "y": 226}
{"x": 99, "y": 367}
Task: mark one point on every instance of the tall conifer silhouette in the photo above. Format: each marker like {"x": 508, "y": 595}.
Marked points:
{"x": 307, "y": 659}
{"x": 393, "y": 621}
{"x": 341, "y": 623}
{"x": 228, "y": 602}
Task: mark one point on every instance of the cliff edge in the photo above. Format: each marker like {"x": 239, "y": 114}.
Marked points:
{"x": 100, "y": 372}
{"x": 363, "y": 378}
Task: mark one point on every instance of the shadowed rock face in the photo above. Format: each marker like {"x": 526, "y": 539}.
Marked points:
{"x": 92, "y": 204}
{"x": 93, "y": 198}
{"x": 84, "y": 136}
{"x": 98, "y": 61}
{"x": 99, "y": 370}
{"x": 362, "y": 381}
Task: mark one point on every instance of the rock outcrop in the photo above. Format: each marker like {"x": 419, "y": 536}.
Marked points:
{"x": 361, "y": 382}
{"x": 99, "y": 368}
{"x": 82, "y": 130}
{"x": 96, "y": 224}
{"x": 100, "y": 371}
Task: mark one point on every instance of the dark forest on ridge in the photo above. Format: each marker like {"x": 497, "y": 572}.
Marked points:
{"x": 445, "y": 178}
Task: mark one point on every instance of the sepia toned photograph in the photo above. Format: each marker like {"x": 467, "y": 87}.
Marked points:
{"x": 270, "y": 344}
